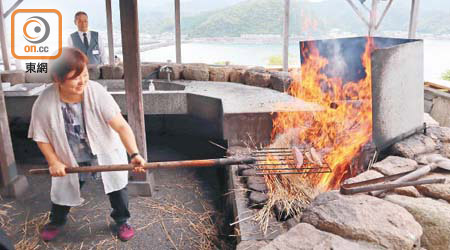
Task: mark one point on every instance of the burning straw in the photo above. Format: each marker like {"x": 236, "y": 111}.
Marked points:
{"x": 338, "y": 132}
{"x": 288, "y": 195}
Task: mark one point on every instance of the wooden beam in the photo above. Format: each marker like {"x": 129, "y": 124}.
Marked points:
{"x": 11, "y": 184}
{"x": 110, "y": 31}
{"x": 413, "y": 18}
{"x": 358, "y": 12}
{"x": 177, "y": 31}
{"x": 5, "y": 56}
{"x": 384, "y": 14}
{"x": 286, "y": 36}
{"x": 373, "y": 17}
{"x": 133, "y": 87}
{"x": 13, "y": 7}
{"x": 7, "y": 160}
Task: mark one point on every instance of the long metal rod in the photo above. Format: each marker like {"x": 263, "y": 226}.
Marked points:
{"x": 413, "y": 18}
{"x": 373, "y": 18}
{"x": 274, "y": 154}
{"x": 263, "y": 169}
{"x": 358, "y": 12}
{"x": 286, "y": 36}
{"x": 177, "y": 31}
{"x": 308, "y": 172}
{"x": 109, "y": 29}
{"x": 265, "y": 149}
{"x": 273, "y": 151}
{"x": 155, "y": 165}
{"x": 388, "y": 186}
{"x": 384, "y": 13}
{"x": 13, "y": 7}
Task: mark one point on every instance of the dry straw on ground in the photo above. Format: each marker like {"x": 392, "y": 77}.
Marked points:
{"x": 203, "y": 232}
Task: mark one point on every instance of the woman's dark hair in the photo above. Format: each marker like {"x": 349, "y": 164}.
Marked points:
{"x": 70, "y": 59}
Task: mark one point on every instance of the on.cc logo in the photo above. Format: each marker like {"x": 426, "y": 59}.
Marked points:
{"x": 36, "y": 34}
{"x": 41, "y": 29}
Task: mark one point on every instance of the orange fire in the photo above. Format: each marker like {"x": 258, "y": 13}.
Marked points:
{"x": 345, "y": 125}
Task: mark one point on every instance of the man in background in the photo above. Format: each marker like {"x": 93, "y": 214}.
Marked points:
{"x": 89, "y": 42}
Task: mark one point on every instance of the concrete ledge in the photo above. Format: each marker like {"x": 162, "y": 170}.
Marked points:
{"x": 437, "y": 103}
{"x": 16, "y": 188}
{"x": 235, "y": 112}
{"x": 248, "y": 229}
{"x": 141, "y": 188}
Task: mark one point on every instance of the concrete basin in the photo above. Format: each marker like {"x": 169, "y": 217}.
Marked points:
{"x": 234, "y": 112}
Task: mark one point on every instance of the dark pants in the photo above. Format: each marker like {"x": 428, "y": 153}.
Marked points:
{"x": 119, "y": 204}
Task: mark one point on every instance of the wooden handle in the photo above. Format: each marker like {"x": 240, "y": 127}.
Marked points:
{"x": 154, "y": 165}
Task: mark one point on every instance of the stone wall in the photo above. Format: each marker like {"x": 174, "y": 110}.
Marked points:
{"x": 254, "y": 76}
{"x": 436, "y": 104}
{"x": 405, "y": 218}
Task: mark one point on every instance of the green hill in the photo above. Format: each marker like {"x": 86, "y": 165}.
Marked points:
{"x": 266, "y": 17}
{"x": 249, "y": 17}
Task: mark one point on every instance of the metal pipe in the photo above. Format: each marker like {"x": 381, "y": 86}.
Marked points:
{"x": 177, "y": 31}
{"x": 286, "y": 36}
{"x": 155, "y": 165}
{"x": 110, "y": 32}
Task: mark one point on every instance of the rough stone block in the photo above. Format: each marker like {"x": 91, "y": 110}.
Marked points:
{"x": 445, "y": 150}
{"x": 257, "y": 199}
{"x": 440, "y": 111}
{"x": 305, "y": 236}
{"x": 38, "y": 77}
{"x": 428, "y": 95}
{"x": 436, "y": 191}
{"x": 258, "y": 79}
{"x": 256, "y": 180}
{"x": 13, "y": 76}
{"x": 94, "y": 71}
{"x": 249, "y": 172}
{"x": 260, "y": 187}
{"x": 432, "y": 215}
{"x": 250, "y": 245}
{"x": 430, "y": 121}
{"x": 280, "y": 81}
{"x": 414, "y": 145}
{"x": 370, "y": 174}
{"x": 150, "y": 68}
{"x": 441, "y": 133}
{"x": 197, "y": 72}
{"x": 428, "y": 105}
{"x": 219, "y": 74}
{"x": 237, "y": 75}
{"x": 111, "y": 72}
{"x": 364, "y": 218}
{"x": 407, "y": 191}
{"x": 395, "y": 165}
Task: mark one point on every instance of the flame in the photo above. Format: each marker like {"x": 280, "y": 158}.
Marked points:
{"x": 338, "y": 132}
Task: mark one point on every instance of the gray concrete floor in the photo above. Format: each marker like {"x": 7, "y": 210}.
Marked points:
{"x": 185, "y": 213}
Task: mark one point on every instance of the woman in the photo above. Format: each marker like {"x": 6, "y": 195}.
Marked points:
{"x": 76, "y": 123}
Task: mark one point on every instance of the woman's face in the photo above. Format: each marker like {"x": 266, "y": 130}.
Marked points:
{"x": 76, "y": 85}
